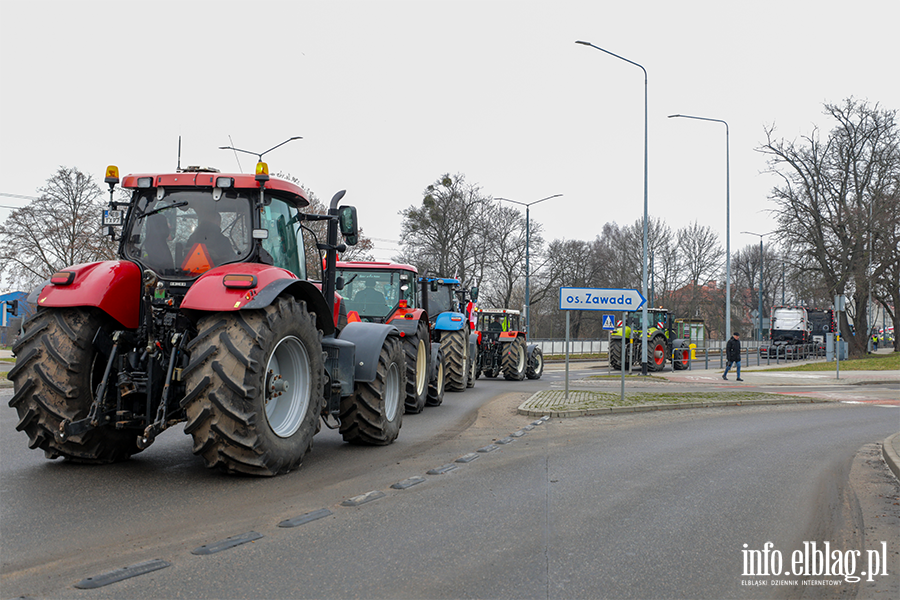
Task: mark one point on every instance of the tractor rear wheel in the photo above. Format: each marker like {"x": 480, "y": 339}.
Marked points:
{"x": 57, "y": 370}
{"x": 514, "y": 360}
{"x": 255, "y": 388}
{"x": 656, "y": 353}
{"x": 416, "y": 349}
{"x": 373, "y": 413}
{"x": 453, "y": 343}
{"x": 436, "y": 387}
{"x": 535, "y": 364}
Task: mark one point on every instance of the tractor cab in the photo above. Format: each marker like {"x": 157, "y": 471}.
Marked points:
{"x": 375, "y": 291}
{"x": 182, "y": 225}
{"x": 491, "y": 323}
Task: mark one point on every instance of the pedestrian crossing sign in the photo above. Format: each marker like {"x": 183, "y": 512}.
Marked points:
{"x": 609, "y": 323}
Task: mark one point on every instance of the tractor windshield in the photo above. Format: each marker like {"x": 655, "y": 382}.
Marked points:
{"x": 440, "y": 301}
{"x": 497, "y": 322}
{"x": 185, "y": 233}
{"x": 374, "y": 294}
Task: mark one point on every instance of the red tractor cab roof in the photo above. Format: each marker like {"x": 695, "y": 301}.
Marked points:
{"x": 208, "y": 179}
{"x": 379, "y": 266}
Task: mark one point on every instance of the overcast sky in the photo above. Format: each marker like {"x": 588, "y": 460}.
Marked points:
{"x": 389, "y": 95}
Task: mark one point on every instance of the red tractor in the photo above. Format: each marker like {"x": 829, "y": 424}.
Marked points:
{"x": 503, "y": 347}
{"x": 384, "y": 292}
{"x": 207, "y": 318}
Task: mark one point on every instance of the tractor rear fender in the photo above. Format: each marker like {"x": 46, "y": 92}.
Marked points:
{"x": 209, "y": 293}
{"x": 508, "y": 336}
{"x": 408, "y": 321}
{"x": 368, "y": 339}
{"x": 474, "y": 341}
{"x": 113, "y": 286}
{"x": 450, "y": 321}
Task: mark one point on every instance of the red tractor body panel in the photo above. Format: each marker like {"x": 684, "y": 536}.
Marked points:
{"x": 209, "y": 292}
{"x": 113, "y": 286}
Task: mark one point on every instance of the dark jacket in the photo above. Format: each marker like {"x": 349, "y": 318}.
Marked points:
{"x": 733, "y": 350}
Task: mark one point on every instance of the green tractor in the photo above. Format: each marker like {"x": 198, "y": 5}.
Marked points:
{"x": 662, "y": 342}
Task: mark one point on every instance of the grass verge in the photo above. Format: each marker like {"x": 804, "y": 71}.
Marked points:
{"x": 873, "y": 362}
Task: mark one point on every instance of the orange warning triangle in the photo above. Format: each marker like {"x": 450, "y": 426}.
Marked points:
{"x": 197, "y": 261}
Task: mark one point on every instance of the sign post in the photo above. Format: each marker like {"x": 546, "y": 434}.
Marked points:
{"x": 571, "y": 298}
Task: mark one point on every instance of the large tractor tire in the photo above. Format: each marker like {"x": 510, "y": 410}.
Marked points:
{"x": 373, "y": 413}
{"x": 615, "y": 354}
{"x": 255, "y": 388}
{"x": 515, "y": 359}
{"x": 682, "y": 358}
{"x": 436, "y": 387}
{"x": 656, "y": 353}
{"x": 416, "y": 348}
{"x": 453, "y": 343}
{"x": 535, "y": 367}
{"x": 56, "y": 373}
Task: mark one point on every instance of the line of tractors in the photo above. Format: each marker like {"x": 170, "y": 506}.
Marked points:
{"x": 208, "y": 317}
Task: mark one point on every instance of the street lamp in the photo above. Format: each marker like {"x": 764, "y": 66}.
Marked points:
{"x": 527, "y": 205}
{"x": 644, "y": 275}
{"x": 728, "y": 331}
{"x": 759, "y": 316}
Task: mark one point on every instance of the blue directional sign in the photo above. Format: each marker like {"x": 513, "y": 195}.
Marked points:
{"x": 599, "y": 299}
{"x": 609, "y": 322}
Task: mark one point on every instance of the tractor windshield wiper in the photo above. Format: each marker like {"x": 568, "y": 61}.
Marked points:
{"x": 162, "y": 208}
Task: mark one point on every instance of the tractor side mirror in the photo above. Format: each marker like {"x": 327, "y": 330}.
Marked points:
{"x": 339, "y": 284}
{"x": 433, "y": 285}
{"x": 473, "y": 293}
{"x": 349, "y": 224}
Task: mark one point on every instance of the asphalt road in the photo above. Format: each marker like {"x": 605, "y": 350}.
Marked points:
{"x": 648, "y": 505}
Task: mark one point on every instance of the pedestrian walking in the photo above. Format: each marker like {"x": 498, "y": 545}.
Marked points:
{"x": 733, "y": 355}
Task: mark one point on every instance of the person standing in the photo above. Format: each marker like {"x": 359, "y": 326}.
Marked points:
{"x": 733, "y": 355}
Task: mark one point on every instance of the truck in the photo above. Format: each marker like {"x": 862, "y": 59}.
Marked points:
{"x": 207, "y": 317}
{"x": 663, "y": 343}
{"x": 503, "y": 346}
{"x": 790, "y": 333}
{"x": 449, "y": 310}
{"x": 821, "y": 322}
{"x": 387, "y": 292}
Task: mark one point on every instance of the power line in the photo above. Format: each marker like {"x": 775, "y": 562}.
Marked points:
{"x": 19, "y": 196}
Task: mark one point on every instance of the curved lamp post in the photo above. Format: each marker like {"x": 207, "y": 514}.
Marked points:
{"x": 728, "y": 331}
{"x": 644, "y": 276}
{"x": 527, "y": 205}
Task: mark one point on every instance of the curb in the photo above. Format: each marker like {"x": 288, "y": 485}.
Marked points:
{"x": 523, "y": 408}
{"x": 890, "y": 455}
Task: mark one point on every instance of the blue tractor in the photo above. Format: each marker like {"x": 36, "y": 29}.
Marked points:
{"x": 448, "y": 303}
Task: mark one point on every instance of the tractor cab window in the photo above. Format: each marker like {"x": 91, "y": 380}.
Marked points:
{"x": 440, "y": 301}
{"x": 498, "y": 322}
{"x": 373, "y": 294}
{"x": 285, "y": 241}
{"x": 183, "y": 233}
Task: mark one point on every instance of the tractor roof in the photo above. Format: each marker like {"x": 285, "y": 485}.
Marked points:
{"x": 497, "y": 311}
{"x": 209, "y": 178}
{"x": 375, "y": 266}
{"x": 442, "y": 280}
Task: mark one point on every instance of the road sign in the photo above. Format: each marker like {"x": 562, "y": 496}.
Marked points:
{"x": 609, "y": 322}
{"x": 599, "y": 299}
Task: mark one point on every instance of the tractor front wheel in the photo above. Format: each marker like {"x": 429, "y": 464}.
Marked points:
{"x": 373, "y": 413}
{"x": 416, "y": 349}
{"x": 56, "y": 372}
{"x": 535, "y": 364}
{"x": 255, "y": 388}
{"x": 436, "y": 386}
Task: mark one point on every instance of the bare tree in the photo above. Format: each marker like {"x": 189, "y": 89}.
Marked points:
{"x": 834, "y": 202}
{"x": 59, "y": 229}
{"x": 445, "y": 233}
